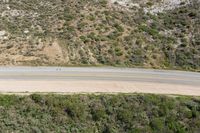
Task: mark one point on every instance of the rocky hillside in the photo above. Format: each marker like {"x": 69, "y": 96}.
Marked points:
{"x": 142, "y": 33}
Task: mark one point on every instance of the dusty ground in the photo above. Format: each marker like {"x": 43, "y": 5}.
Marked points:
{"x": 96, "y": 86}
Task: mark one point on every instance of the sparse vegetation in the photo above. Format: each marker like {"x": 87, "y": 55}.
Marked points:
{"x": 83, "y": 32}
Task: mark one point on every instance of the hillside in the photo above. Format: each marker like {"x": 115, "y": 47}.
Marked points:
{"x": 132, "y": 33}
{"x": 133, "y": 113}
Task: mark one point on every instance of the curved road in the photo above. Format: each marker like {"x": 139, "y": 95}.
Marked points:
{"x": 91, "y": 79}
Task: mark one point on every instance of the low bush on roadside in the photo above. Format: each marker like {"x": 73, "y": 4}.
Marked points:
{"x": 99, "y": 113}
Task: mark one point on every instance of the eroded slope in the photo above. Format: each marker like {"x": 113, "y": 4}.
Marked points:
{"x": 95, "y": 32}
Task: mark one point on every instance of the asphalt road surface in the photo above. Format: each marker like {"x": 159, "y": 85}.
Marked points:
{"x": 94, "y": 80}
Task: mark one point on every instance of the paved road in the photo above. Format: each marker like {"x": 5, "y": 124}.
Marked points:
{"x": 90, "y": 79}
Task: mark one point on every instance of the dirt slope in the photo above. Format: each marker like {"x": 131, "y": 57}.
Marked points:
{"x": 144, "y": 33}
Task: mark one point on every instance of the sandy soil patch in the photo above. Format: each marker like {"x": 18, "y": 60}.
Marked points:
{"x": 95, "y": 87}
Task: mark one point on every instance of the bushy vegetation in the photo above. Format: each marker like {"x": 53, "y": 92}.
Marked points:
{"x": 130, "y": 113}
{"x": 96, "y": 32}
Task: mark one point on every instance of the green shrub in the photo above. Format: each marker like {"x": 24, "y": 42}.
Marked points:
{"x": 157, "y": 124}
{"x": 119, "y": 28}
{"x": 118, "y": 52}
{"x": 100, "y": 113}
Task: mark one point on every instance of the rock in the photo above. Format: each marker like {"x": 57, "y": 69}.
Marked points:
{"x": 26, "y": 31}
{"x": 2, "y": 33}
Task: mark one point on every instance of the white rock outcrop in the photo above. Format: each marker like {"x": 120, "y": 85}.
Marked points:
{"x": 157, "y": 7}
{"x": 166, "y": 5}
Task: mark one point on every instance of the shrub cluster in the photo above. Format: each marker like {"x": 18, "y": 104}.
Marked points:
{"x": 99, "y": 113}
